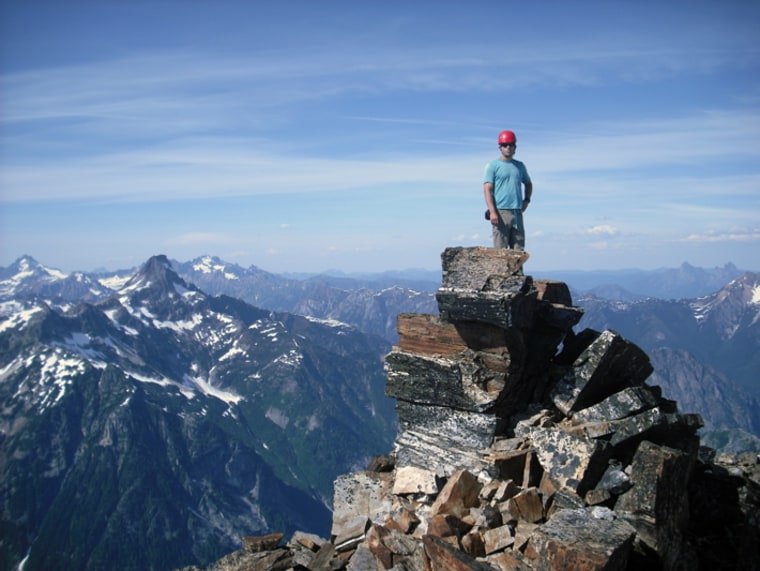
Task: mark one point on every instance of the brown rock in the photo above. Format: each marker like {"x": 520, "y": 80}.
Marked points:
{"x": 473, "y": 544}
{"x": 598, "y": 497}
{"x": 458, "y": 495}
{"x": 310, "y": 541}
{"x": 322, "y": 560}
{"x": 488, "y": 491}
{"x": 378, "y": 548}
{"x": 414, "y": 480}
{"x": 506, "y": 490}
{"x": 403, "y": 520}
{"x": 255, "y": 544}
{"x": 448, "y": 525}
{"x": 527, "y": 506}
{"x": 498, "y": 539}
{"x": 486, "y": 516}
{"x": 523, "y": 531}
{"x": 430, "y": 336}
{"x": 445, "y": 557}
{"x": 509, "y": 560}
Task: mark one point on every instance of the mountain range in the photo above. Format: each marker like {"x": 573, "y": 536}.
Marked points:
{"x": 151, "y": 416}
{"x": 147, "y": 428}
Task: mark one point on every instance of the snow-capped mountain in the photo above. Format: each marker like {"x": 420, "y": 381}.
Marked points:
{"x": 733, "y": 310}
{"x": 371, "y": 306}
{"x": 26, "y": 279}
{"x": 145, "y": 430}
{"x": 147, "y": 417}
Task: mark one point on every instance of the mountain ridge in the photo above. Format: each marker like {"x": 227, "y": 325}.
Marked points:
{"x": 229, "y": 405}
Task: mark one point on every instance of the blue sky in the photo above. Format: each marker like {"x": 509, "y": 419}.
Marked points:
{"x": 306, "y": 136}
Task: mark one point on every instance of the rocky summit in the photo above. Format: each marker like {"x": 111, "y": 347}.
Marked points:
{"x": 524, "y": 446}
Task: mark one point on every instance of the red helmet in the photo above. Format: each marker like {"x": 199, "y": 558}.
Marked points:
{"x": 507, "y": 137}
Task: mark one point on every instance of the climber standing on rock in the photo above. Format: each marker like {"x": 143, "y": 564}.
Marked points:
{"x": 503, "y": 183}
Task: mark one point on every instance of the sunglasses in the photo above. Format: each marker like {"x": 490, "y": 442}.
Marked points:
{"x": 507, "y": 144}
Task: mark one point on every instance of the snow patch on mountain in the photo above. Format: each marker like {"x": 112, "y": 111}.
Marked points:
{"x": 57, "y": 370}
{"x": 115, "y": 282}
{"x": 233, "y": 352}
{"x": 187, "y": 391}
{"x": 180, "y": 325}
{"x": 80, "y": 344}
{"x": 292, "y": 358}
{"x": 329, "y": 322}
{"x": 17, "y": 315}
{"x": 205, "y": 387}
{"x": 112, "y": 314}
{"x": 701, "y": 308}
{"x": 207, "y": 265}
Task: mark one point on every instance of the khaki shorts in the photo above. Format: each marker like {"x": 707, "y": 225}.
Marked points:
{"x": 510, "y": 231}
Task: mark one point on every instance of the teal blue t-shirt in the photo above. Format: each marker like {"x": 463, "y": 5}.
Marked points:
{"x": 507, "y": 178}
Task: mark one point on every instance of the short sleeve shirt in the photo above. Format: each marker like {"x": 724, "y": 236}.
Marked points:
{"x": 507, "y": 178}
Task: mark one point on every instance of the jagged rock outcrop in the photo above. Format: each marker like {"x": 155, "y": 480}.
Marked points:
{"x": 522, "y": 446}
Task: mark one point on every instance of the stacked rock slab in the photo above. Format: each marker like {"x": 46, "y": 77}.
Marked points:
{"x": 559, "y": 428}
{"x": 459, "y": 376}
{"x": 523, "y": 446}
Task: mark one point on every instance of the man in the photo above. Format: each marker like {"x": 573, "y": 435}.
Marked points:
{"x": 503, "y": 183}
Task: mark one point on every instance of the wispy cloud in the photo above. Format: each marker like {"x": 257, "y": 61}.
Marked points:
{"x": 742, "y": 236}
{"x": 377, "y": 129}
{"x": 602, "y": 230}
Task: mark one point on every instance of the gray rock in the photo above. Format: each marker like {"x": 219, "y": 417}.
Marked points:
{"x": 614, "y": 479}
{"x": 630, "y": 400}
{"x": 360, "y": 494}
{"x": 658, "y": 500}
{"x": 586, "y": 539}
{"x": 511, "y": 307}
{"x": 570, "y": 461}
{"x": 441, "y": 438}
{"x": 463, "y": 383}
{"x": 606, "y": 366}
{"x": 475, "y": 268}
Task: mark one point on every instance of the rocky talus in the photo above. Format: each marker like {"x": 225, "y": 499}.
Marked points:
{"x": 524, "y": 446}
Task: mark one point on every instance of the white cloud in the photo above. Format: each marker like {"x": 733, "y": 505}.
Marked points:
{"x": 747, "y": 235}
{"x": 602, "y": 230}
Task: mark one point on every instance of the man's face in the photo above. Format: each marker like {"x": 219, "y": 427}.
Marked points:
{"x": 507, "y": 150}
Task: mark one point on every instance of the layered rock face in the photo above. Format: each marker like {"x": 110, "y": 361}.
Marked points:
{"x": 524, "y": 446}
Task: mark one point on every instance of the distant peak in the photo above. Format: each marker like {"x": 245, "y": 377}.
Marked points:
{"x": 28, "y": 260}
{"x": 158, "y": 260}
{"x": 28, "y": 266}
{"x": 207, "y": 264}
{"x": 157, "y": 274}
